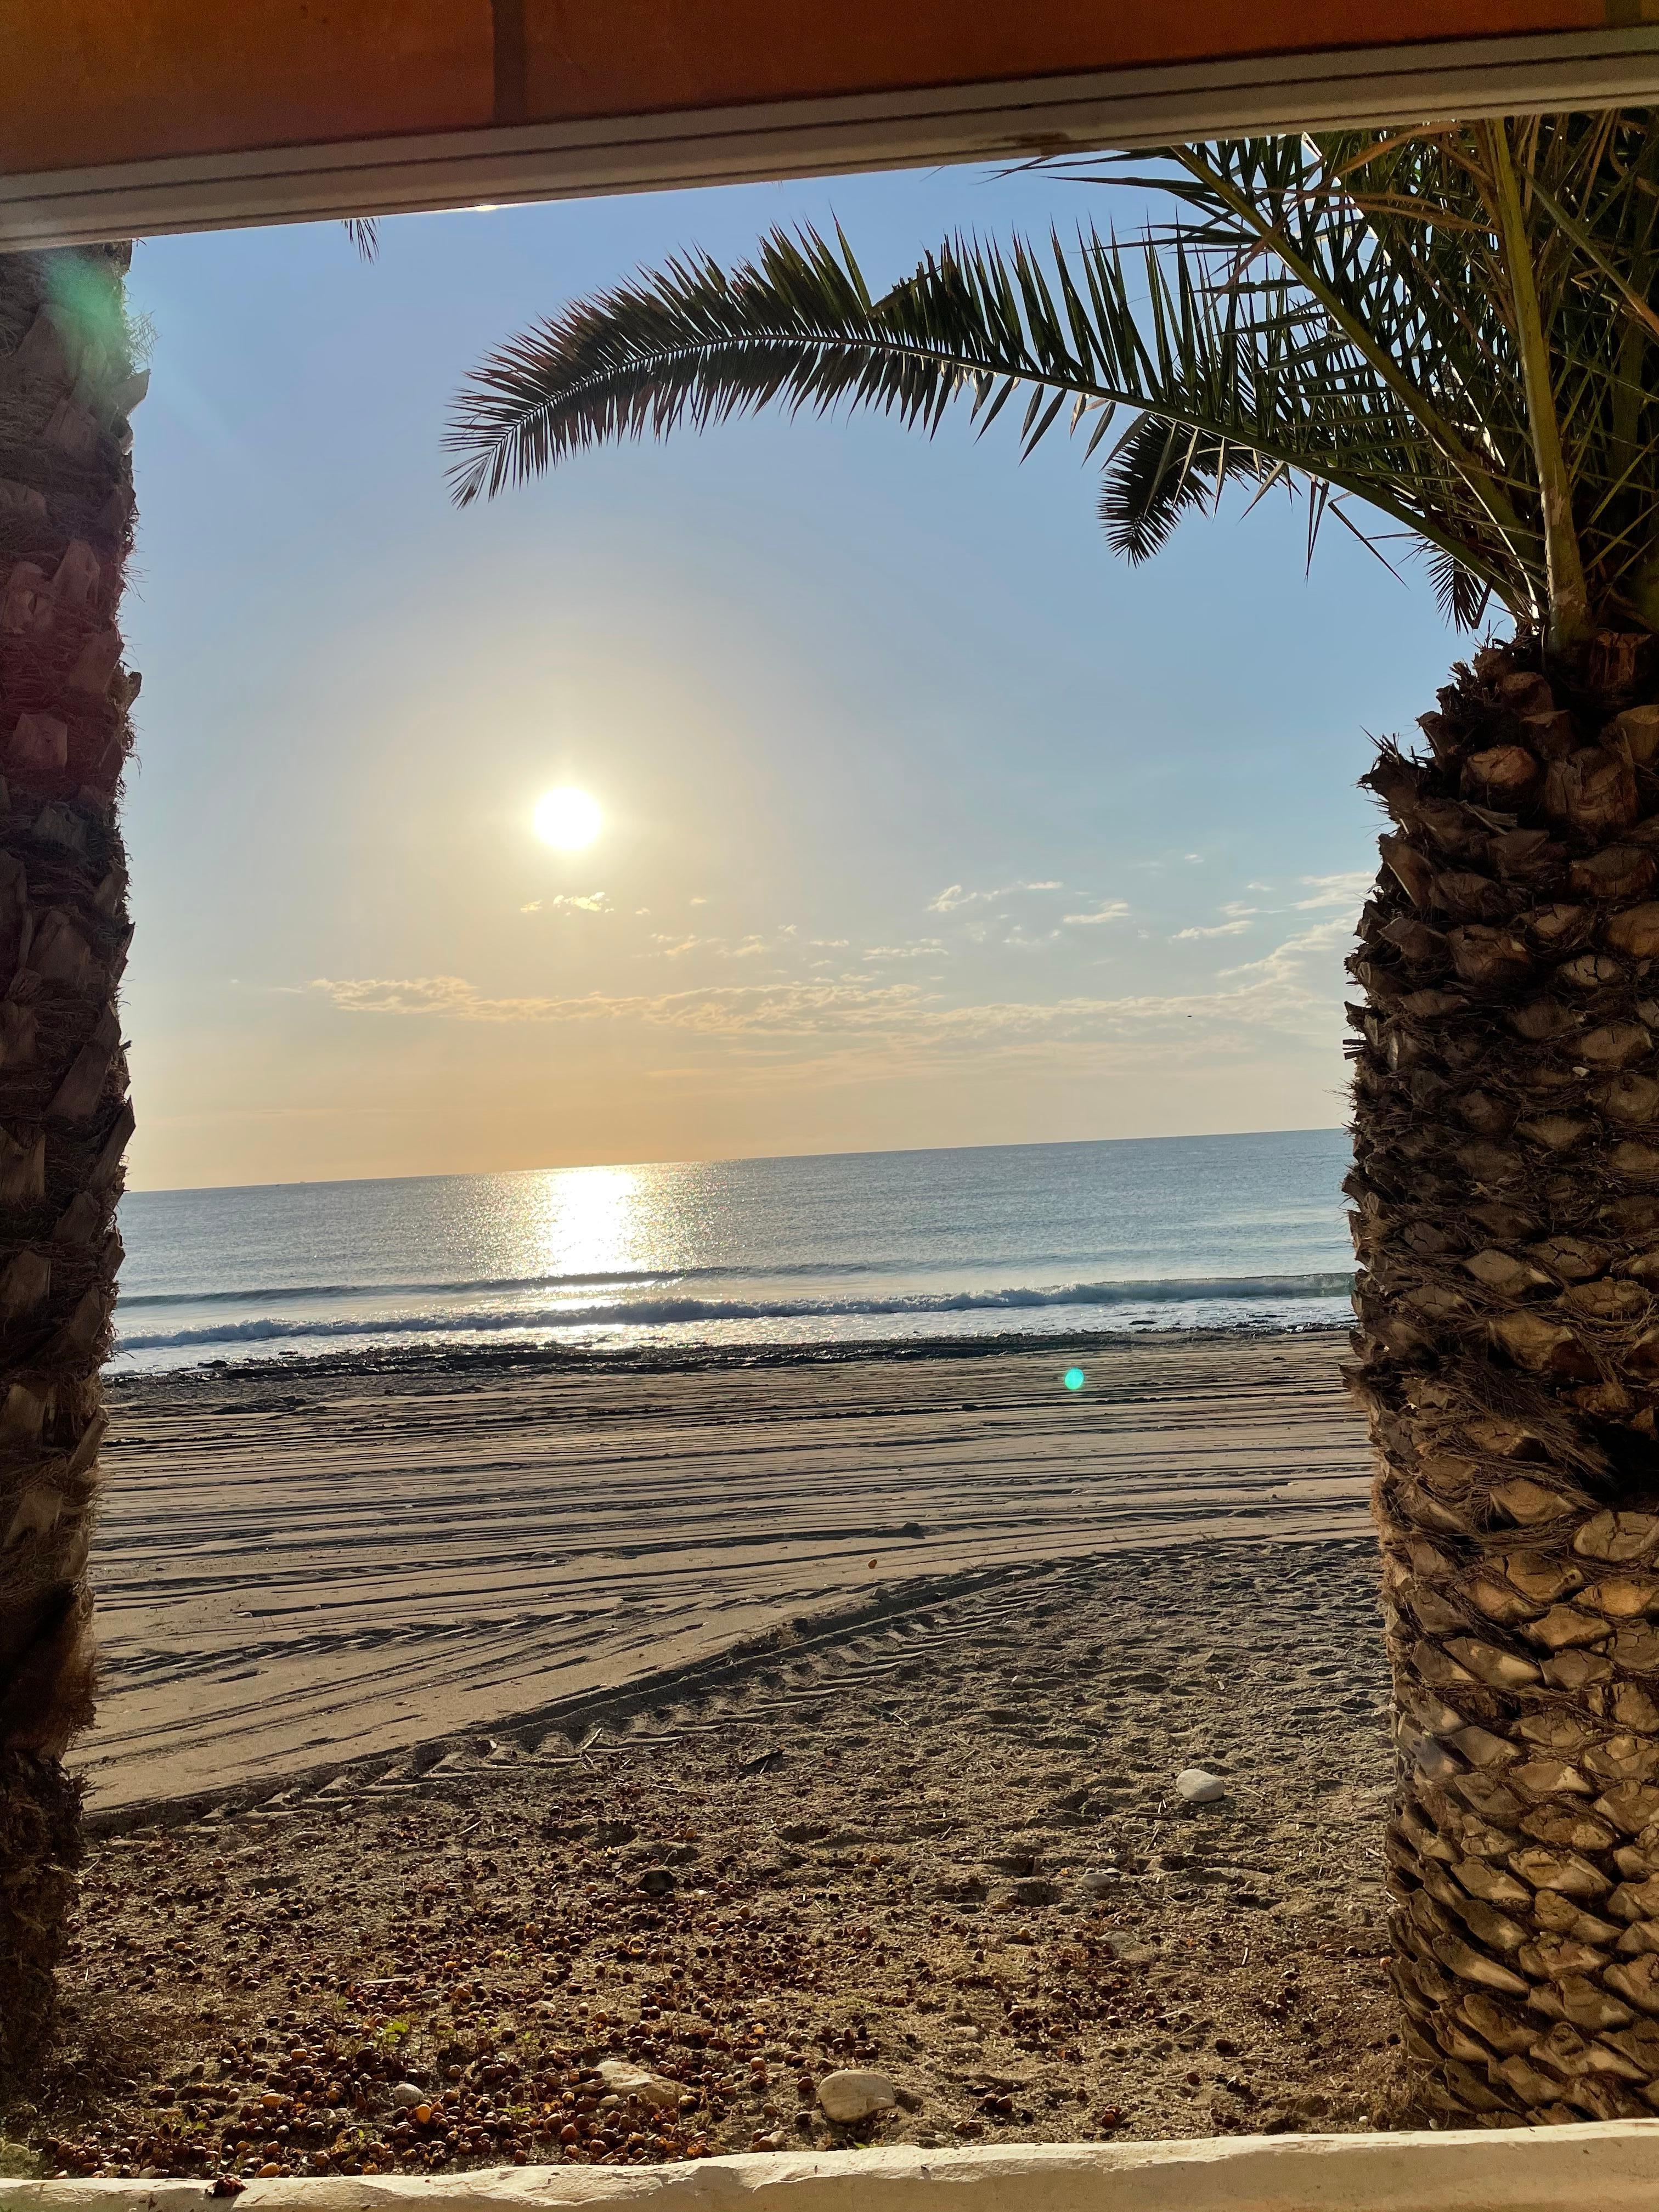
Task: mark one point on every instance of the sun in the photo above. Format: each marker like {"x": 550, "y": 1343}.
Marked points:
{"x": 567, "y": 819}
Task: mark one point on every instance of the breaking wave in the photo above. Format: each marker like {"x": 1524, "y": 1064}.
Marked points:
{"x": 645, "y": 1312}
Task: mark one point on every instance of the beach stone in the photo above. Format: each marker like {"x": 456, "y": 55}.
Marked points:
{"x": 852, "y": 2095}
{"x": 1101, "y": 1882}
{"x": 406, "y": 2093}
{"x": 654, "y": 2089}
{"x": 1200, "y": 1787}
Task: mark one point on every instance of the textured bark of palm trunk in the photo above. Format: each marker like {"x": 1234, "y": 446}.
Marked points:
{"x": 1506, "y": 1195}
{"x": 66, "y": 386}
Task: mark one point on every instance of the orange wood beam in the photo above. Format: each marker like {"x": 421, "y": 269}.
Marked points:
{"x": 178, "y": 113}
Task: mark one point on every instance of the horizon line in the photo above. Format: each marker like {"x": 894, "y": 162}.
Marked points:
{"x": 727, "y": 1159}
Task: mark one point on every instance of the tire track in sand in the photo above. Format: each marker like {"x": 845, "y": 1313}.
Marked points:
{"x": 369, "y": 1562}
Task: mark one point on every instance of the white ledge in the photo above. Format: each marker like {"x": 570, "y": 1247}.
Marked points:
{"x": 1602, "y": 2168}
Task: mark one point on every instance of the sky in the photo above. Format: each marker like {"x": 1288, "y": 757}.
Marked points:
{"x": 926, "y": 821}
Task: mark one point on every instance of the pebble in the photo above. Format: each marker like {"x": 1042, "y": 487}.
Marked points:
{"x": 654, "y": 2089}
{"x": 1101, "y": 1882}
{"x": 852, "y": 2094}
{"x": 1199, "y": 1787}
{"x": 406, "y": 2093}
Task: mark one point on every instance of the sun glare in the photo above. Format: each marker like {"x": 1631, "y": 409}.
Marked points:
{"x": 568, "y": 819}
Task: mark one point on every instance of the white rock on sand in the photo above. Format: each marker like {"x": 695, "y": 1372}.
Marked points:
{"x": 1199, "y": 1787}
{"x": 654, "y": 2089}
{"x": 853, "y": 2094}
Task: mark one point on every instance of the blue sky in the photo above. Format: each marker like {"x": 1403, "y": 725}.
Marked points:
{"x": 928, "y": 821}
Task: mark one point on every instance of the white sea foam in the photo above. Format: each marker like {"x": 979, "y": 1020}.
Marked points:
{"x": 650, "y": 1312}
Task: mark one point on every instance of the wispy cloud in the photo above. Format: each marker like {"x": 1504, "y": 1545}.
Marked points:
{"x": 1346, "y": 890}
{"x": 571, "y": 902}
{"x": 923, "y": 948}
{"x": 1239, "y": 919}
{"x": 1107, "y": 910}
{"x": 668, "y": 945}
{"x": 1287, "y": 960}
{"x": 1287, "y": 991}
{"x": 805, "y": 1008}
{"x": 953, "y": 897}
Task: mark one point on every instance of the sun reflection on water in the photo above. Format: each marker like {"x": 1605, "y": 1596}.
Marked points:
{"x": 576, "y": 1226}
{"x": 587, "y": 1221}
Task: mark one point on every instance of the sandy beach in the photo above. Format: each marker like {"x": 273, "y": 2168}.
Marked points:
{"x": 943, "y": 1845}
{"x": 494, "y": 1727}
{"x": 298, "y": 1565}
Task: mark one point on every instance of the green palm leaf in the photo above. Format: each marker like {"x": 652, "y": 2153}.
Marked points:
{"x": 1447, "y": 328}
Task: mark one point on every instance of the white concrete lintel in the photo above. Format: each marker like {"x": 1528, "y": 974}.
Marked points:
{"x": 1604, "y": 2168}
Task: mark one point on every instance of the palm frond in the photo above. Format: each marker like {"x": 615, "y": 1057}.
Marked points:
{"x": 694, "y": 344}
{"x": 1158, "y": 472}
{"x": 1461, "y": 596}
{"x": 1449, "y": 325}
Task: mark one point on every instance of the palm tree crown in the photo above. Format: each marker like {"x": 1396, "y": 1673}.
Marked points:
{"x": 1449, "y": 326}
{"x": 1441, "y": 336}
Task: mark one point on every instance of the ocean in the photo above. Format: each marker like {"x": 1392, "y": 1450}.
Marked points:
{"x": 1131, "y": 1235}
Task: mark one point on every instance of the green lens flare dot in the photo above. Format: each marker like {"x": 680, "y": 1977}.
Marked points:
{"x": 1075, "y": 1379}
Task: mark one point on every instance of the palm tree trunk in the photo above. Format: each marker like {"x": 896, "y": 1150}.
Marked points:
{"x": 1507, "y": 1188}
{"x": 66, "y": 385}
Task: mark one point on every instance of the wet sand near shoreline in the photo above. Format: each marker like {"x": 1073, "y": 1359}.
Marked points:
{"x": 307, "y": 1564}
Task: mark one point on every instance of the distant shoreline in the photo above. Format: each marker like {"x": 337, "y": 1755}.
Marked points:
{"x": 459, "y": 1361}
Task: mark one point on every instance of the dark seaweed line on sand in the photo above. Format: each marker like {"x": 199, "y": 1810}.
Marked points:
{"x": 692, "y": 1359}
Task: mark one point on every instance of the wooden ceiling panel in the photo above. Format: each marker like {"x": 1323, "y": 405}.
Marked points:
{"x": 100, "y": 82}
{"x": 120, "y": 117}
{"x": 653, "y": 56}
